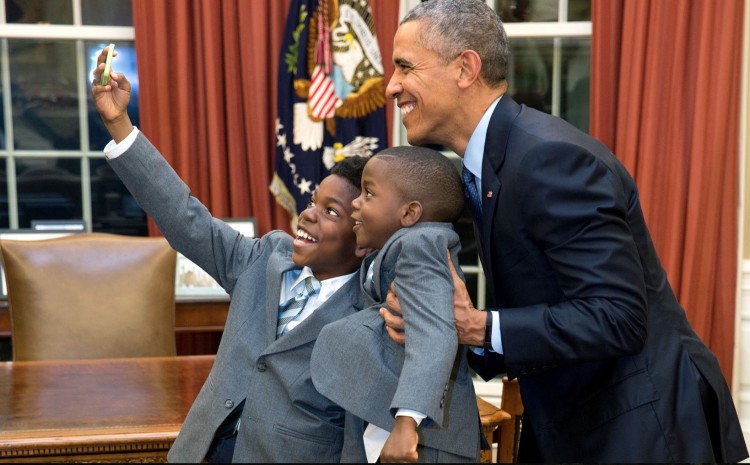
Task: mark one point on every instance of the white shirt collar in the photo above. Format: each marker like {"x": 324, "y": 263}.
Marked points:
{"x": 327, "y": 286}
{"x": 475, "y": 148}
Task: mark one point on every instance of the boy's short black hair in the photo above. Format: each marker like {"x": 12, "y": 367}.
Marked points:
{"x": 350, "y": 168}
{"x": 426, "y": 175}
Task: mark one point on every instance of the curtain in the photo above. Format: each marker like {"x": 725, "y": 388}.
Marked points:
{"x": 208, "y": 79}
{"x": 386, "y": 16}
{"x": 665, "y": 98}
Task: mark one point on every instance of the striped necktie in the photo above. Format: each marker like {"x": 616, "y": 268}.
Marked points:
{"x": 470, "y": 190}
{"x": 292, "y": 307}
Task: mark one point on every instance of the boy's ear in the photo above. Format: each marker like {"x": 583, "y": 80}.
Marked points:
{"x": 412, "y": 214}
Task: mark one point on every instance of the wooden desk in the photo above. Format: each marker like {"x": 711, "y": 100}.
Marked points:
{"x": 101, "y": 410}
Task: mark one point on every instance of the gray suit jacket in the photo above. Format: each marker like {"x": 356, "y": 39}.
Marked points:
{"x": 284, "y": 419}
{"x": 356, "y": 364}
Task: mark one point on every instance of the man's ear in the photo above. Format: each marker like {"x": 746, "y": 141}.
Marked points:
{"x": 471, "y": 67}
{"x": 361, "y": 252}
{"x": 412, "y": 214}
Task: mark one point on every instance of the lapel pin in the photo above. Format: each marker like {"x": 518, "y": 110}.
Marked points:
{"x": 489, "y": 194}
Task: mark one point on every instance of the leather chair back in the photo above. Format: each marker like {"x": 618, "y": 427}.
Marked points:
{"x": 90, "y": 295}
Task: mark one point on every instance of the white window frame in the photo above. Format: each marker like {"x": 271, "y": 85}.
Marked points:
{"x": 74, "y": 32}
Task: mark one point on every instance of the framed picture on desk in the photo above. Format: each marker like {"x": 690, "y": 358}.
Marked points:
{"x": 192, "y": 282}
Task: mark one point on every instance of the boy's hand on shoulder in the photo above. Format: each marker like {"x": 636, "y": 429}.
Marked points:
{"x": 401, "y": 445}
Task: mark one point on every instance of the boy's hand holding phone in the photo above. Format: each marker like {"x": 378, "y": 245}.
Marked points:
{"x": 111, "y": 92}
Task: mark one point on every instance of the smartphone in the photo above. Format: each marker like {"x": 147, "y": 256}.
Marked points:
{"x": 107, "y": 65}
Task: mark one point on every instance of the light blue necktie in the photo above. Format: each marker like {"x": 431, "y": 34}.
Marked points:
{"x": 292, "y": 307}
{"x": 470, "y": 189}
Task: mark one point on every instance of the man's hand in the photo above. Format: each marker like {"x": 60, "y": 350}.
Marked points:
{"x": 469, "y": 321}
{"x": 401, "y": 445}
{"x": 467, "y": 317}
{"x": 111, "y": 101}
{"x": 394, "y": 323}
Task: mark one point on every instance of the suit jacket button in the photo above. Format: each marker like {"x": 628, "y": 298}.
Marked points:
{"x": 228, "y": 403}
{"x": 261, "y": 366}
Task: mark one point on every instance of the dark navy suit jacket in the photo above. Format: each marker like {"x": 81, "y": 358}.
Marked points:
{"x": 609, "y": 368}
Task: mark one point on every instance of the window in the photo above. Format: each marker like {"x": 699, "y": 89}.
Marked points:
{"x": 51, "y": 138}
{"x": 549, "y": 70}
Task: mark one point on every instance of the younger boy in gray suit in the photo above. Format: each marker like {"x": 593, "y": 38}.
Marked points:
{"x": 258, "y": 403}
{"x": 422, "y": 392}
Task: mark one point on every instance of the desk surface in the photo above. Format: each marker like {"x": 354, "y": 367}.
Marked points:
{"x": 96, "y": 409}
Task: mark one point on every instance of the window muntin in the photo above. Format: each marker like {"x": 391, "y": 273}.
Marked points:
{"x": 48, "y": 120}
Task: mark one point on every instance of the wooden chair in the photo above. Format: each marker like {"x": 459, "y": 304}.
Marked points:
{"x": 90, "y": 295}
{"x": 502, "y": 426}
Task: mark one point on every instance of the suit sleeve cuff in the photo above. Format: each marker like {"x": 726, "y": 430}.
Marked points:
{"x": 405, "y": 412}
{"x": 497, "y": 338}
{"x": 114, "y": 150}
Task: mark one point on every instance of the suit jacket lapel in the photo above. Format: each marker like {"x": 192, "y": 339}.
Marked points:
{"x": 380, "y": 289}
{"x": 495, "y": 147}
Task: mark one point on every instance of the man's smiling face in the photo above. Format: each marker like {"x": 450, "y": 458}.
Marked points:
{"x": 424, "y": 87}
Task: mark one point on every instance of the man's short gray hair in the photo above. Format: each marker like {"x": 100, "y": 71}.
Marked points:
{"x": 451, "y": 26}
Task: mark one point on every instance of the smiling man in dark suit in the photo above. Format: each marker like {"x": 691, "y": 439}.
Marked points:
{"x": 609, "y": 368}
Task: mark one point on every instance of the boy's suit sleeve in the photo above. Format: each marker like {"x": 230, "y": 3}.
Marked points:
{"x": 424, "y": 286}
{"x": 185, "y": 222}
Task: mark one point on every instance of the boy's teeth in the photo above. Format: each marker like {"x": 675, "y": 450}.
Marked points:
{"x": 303, "y": 235}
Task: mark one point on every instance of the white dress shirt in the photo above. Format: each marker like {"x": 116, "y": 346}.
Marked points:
{"x": 472, "y": 161}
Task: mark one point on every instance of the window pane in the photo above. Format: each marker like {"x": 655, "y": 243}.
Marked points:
{"x": 4, "y": 212}
{"x": 516, "y": 11}
{"x": 123, "y": 63}
{"x": 579, "y": 10}
{"x": 107, "y": 12}
{"x": 530, "y": 72}
{"x": 113, "y": 208}
{"x": 48, "y": 189}
{"x": 576, "y": 69}
{"x": 44, "y": 95}
{"x": 39, "y": 11}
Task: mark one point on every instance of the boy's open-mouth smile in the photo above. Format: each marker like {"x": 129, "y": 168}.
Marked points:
{"x": 304, "y": 237}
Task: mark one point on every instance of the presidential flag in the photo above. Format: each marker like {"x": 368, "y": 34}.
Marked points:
{"x": 331, "y": 95}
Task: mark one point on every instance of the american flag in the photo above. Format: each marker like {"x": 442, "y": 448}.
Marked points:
{"x": 331, "y": 97}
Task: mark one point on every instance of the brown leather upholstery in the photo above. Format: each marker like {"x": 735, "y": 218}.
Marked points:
{"x": 90, "y": 295}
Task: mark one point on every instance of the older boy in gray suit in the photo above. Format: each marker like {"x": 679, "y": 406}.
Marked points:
{"x": 421, "y": 393}
{"x": 258, "y": 403}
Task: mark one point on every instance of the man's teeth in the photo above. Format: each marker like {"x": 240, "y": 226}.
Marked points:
{"x": 357, "y": 222}
{"x": 303, "y": 235}
{"x": 407, "y": 108}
